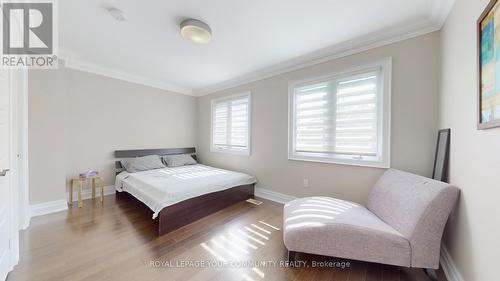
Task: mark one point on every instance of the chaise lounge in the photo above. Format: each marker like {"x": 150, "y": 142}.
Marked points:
{"x": 401, "y": 225}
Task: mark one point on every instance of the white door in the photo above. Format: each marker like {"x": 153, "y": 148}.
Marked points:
{"x": 5, "y": 185}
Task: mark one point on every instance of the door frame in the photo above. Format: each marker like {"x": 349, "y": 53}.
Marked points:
{"x": 19, "y": 215}
{"x": 21, "y": 84}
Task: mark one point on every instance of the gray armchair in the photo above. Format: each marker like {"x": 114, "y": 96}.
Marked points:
{"x": 401, "y": 225}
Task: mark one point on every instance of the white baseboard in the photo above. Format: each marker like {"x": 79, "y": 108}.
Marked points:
{"x": 25, "y": 221}
{"x": 273, "y": 196}
{"x": 48, "y": 208}
{"x": 87, "y": 192}
{"x": 62, "y": 205}
{"x": 448, "y": 266}
{"x": 24, "y": 216}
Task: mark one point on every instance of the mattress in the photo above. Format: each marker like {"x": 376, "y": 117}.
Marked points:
{"x": 161, "y": 188}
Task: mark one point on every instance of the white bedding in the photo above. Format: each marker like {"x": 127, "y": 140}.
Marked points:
{"x": 164, "y": 187}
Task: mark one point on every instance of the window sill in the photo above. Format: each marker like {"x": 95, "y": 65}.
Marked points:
{"x": 349, "y": 162}
{"x": 231, "y": 151}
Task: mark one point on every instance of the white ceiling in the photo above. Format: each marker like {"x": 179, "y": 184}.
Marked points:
{"x": 251, "y": 38}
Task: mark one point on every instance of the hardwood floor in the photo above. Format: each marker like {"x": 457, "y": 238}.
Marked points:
{"x": 117, "y": 241}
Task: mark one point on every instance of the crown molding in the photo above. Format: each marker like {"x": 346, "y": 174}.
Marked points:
{"x": 375, "y": 40}
{"x": 72, "y": 61}
{"x": 439, "y": 11}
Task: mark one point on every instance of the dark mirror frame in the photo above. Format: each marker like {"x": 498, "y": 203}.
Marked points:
{"x": 444, "y": 133}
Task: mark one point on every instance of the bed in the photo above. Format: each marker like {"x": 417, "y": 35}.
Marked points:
{"x": 178, "y": 196}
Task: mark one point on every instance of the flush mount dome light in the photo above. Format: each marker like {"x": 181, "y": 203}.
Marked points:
{"x": 196, "y": 31}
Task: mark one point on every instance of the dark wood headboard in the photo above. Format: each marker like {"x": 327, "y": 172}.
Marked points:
{"x": 145, "y": 152}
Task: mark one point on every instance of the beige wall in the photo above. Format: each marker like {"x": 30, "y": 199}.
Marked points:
{"x": 414, "y": 124}
{"x": 77, "y": 120}
{"x": 473, "y": 233}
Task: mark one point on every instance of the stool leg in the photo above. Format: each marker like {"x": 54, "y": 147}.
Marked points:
{"x": 80, "y": 186}
{"x": 71, "y": 192}
{"x": 93, "y": 188}
{"x": 101, "y": 181}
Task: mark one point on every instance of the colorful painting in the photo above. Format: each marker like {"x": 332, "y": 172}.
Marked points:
{"x": 489, "y": 51}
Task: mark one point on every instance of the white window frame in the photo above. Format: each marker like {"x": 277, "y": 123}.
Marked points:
{"x": 383, "y": 160}
{"x": 213, "y": 148}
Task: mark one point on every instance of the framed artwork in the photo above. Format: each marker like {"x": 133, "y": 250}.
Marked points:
{"x": 440, "y": 170}
{"x": 488, "y": 33}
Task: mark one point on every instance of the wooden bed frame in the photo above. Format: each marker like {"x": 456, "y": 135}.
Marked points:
{"x": 193, "y": 209}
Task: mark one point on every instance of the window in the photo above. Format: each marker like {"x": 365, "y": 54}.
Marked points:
{"x": 342, "y": 118}
{"x": 231, "y": 124}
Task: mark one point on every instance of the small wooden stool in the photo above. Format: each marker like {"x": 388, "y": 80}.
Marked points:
{"x": 81, "y": 182}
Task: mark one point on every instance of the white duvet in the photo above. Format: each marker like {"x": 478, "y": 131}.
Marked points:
{"x": 164, "y": 187}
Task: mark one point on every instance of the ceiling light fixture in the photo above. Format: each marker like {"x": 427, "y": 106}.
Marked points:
{"x": 196, "y": 31}
{"x": 116, "y": 13}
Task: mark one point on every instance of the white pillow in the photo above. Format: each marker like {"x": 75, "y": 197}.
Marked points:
{"x": 178, "y": 160}
{"x": 145, "y": 163}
